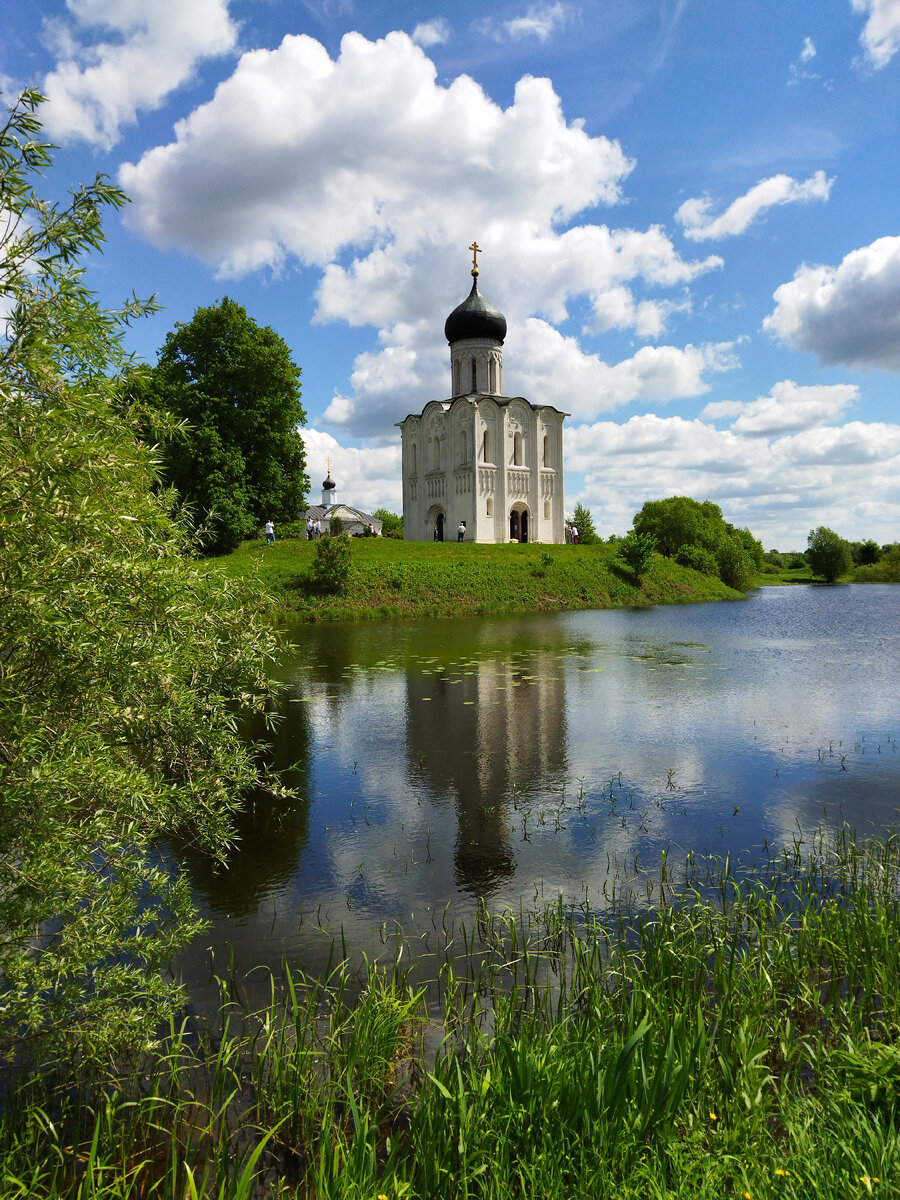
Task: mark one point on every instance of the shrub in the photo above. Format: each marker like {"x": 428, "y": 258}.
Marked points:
{"x": 636, "y": 551}
{"x": 736, "y": 568}
{"x": 828, "y": 554}
{"x": 331, "y": 562}
{"x": 698, "y": 559}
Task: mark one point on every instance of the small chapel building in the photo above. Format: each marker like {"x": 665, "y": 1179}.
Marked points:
{"x": 491, "y": 462}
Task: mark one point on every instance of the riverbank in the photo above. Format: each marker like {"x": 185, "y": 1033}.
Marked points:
{"x": 390, "y": 579}
{"x": 738, "y": 1038}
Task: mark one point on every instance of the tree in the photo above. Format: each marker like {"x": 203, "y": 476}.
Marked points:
{"x": 240, "y": 459}
{"x": 123, "y": 666}
{"x": 391, "y": 524}
{"x": 583, "y": 522}
{"x": 687, "y": 529}
{"x": 828, "y": 554}
{"x": 637, "y": 550}
{"x": 680, "y": 521}
{"x": 868, "y": 553}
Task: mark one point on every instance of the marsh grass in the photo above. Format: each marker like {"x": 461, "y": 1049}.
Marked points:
{"x": 739, "y": 1038}
{"x": 390, "y": 579}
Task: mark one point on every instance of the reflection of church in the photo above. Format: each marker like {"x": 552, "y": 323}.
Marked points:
{"x": 492, "y": 462}
{"x": 509, "y": 729}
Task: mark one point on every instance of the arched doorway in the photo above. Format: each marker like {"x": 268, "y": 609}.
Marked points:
{"x": 518, "y": 524}
{"x": 434, "y": 523}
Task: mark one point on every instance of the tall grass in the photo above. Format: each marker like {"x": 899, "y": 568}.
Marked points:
{"x": 740, "y": 1038}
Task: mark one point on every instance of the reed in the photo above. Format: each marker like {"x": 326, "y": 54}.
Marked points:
{"x": 738, "y": 1038}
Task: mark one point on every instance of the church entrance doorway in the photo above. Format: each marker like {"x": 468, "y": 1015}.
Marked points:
{"x": 518, "y": 524}
{"x": 434, "y": 523}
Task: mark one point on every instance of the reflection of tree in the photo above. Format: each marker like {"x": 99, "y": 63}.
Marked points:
{"x": 272, "y": 831}
{"x": 478, "y": 737}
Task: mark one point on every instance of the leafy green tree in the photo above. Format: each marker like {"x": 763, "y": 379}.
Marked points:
{"x": 123, "y": 665}
{"x": 240, "y": 460}
{"x": 636, "y": 551}
{"x": 391, "y": 524}
{"x": 584, "y": 523}
{"x": 681, "y": 525}
{"x": 828, "y": 554}
{"x": 867, "y": 553}
{"x": 681, "y": 521}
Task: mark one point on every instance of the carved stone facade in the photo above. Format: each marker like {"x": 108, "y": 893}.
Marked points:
{"x": 492, "y": 461}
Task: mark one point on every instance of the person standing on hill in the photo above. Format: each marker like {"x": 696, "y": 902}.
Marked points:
{"x": 461, "y": 532}
{"x": 270, "y": 533}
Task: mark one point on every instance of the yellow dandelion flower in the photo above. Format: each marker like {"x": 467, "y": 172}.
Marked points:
{"x": 713, "y": 1117}
{"x": 747, "y": 1196}
{"x": 781, "y": 1171}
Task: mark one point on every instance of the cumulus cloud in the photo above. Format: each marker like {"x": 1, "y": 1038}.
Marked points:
{"x": 699, "y": 224}
{"x": 848, "y": 315}
{"x": 367, "y": 169}
{"x": 151, "y": 50}
{"x": 540, "y": 21}
{"x": 789, "y": 407}
{"x": 880, "y": 38}
{"x": 539, "y": 363}
{"x": 431, "y": 33}
{"x": 780, "y": 487}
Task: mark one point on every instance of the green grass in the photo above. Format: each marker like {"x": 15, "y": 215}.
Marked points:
{"x": 391, "y": 578}
{"x": 740, "y": 1038}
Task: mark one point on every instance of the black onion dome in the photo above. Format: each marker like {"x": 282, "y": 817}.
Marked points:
{"x": 328, "y": 483}
{"x": 475, "y": 318}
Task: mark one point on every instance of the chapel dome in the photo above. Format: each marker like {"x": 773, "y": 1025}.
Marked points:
{"x": 475, "y": 318}
{"x": 328, "y": 483}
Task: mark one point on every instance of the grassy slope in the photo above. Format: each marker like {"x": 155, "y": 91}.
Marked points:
{"x": 410, "y": 579}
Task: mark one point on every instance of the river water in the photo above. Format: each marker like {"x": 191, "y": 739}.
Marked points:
{"x": 515, "y": 759}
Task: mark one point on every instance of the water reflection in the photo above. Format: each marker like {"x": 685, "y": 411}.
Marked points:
{"x": 446, "y": 761}
{"x": 477, "y": 733}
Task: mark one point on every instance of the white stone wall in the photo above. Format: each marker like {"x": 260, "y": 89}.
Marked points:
{"x": 479, "y": 459}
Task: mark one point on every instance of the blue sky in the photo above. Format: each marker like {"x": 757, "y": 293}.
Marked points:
{"x": 688, "y": 212}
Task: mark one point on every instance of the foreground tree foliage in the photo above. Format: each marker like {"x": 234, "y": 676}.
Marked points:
{"x": 240, "y": 460}
{"x": 828, "y": 554}
{"x": 123, "y": 667}
{"x": 695, "y": 534}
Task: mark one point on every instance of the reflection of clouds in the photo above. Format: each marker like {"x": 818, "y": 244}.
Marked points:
{"x": 481, "y": 753}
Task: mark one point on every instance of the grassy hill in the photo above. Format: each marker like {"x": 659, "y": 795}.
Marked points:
{"x": 413, "y": 579}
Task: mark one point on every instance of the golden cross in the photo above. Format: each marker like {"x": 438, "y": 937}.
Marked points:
{"x": 475, "y": 248}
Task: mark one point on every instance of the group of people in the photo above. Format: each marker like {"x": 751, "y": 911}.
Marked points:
{"x": 313, "y": 529}
{"x": 571, "y": 535}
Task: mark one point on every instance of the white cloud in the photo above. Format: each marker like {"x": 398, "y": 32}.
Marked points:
{"x": 699, "y": 225}
{"x": 780, "y": 487}
{"x": 847, "y": 315}
{"x": 151, "y": 50}
{"x": 431, "y": 33}
{"x": 880, "y": 38}
{"x": 369, "y": 170}
{"x": 539, "y": 362}
{"x": 789, "y": 407}
{"x": 540, "y": 21}
{"x": 799, "y": 69}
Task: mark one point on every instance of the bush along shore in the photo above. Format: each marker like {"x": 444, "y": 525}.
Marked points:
{"x": 387, "y": 578}
{"x": 739, "y": 1037}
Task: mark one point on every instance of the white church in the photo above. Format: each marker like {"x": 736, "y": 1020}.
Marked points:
{"x": 491, "y": 462}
